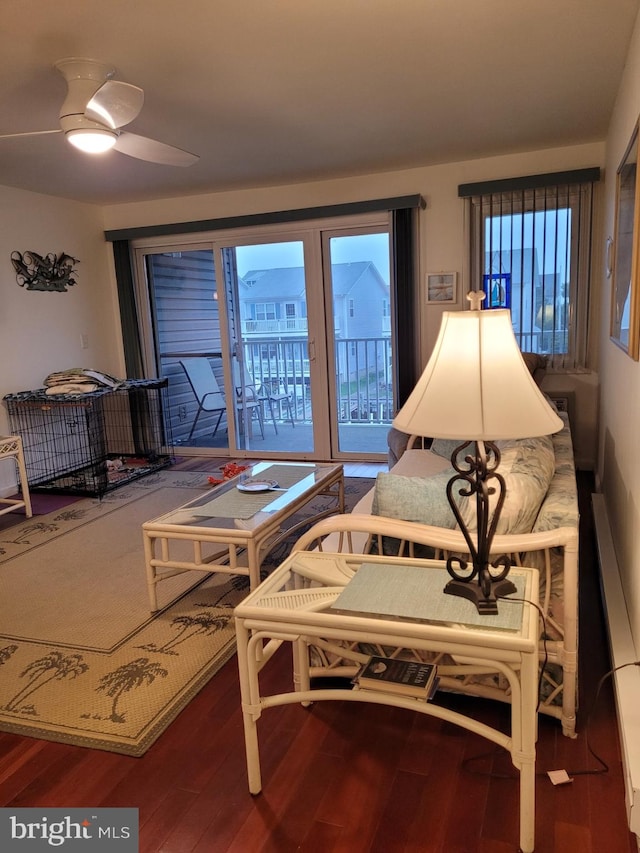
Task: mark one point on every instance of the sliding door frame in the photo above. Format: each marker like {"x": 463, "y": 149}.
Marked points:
{"x": 403, "y": 287}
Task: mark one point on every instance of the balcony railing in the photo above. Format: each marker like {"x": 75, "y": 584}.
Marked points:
{"x": 364, "y": 387}
{"x": 362, "y": 370}
{"x": 264, "y": 327}
{"x": 551, "y": 342}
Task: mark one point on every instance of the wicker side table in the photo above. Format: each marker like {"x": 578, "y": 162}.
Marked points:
{"x": 295, "y": 604}
{"x": 11, "y": 446}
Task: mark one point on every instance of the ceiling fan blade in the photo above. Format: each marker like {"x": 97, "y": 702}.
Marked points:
{"x": 29, "y": 133}
{"x": 153, "y": 151}
{"x": 115, "y": 104}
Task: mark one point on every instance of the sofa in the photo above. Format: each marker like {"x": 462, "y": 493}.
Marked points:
{"x": 407, "y": 513}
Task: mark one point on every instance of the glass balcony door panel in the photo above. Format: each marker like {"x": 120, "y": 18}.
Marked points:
{"x": 360, "y": 341}
{"x": 266, "y": 303}
{"x": 304, "y": 313}
{"x": 183, "y": 324}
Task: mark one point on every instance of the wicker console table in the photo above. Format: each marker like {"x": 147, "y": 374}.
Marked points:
{"x": 11, "y": 448}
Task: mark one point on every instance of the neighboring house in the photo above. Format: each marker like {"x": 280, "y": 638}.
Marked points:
{"x": 274, "y": 301}
{"x": 522, "y": 267}
{"x": 273, "y": 311}
{"x": 530, "y": 293}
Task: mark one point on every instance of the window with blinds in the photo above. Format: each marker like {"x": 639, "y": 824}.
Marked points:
{"x": 530, "y": 244}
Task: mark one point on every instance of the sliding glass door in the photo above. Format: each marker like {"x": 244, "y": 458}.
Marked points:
{"x": 183, "y": 341}
{"x": 274, "y": 342}
{"x": 265, "y": 286}
{"x": 359, "y": 339}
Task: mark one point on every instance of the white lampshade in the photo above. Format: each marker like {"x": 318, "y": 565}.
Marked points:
{"x": 476, "y": 385}
{"x": 92, "y": 141}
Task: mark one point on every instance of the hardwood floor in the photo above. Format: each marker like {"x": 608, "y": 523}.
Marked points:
{"x": 345, "y": 776}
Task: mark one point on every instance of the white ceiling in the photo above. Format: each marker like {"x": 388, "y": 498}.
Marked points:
{"x": 282, "y": 91}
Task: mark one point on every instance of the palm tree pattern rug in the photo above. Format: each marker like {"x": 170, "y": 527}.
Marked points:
{"x": 82, "y": 660}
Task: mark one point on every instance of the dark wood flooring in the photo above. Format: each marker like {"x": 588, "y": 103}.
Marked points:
{"x": 347, "y": 776}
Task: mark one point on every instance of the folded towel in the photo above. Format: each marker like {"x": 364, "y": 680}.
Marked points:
{"x": 72, "y": 388}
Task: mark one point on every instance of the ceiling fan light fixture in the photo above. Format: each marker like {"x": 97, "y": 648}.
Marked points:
{"x": 95, "y": 109}
{"x": 92, "y": 141}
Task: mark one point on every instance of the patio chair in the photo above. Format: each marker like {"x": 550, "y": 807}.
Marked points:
{"x": 262, "y": 394}
{"x": 248, "y": 398}
{"x": 205, "y": 387}
{"x": 279, "y": 398}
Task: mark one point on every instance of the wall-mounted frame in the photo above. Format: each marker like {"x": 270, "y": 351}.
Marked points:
{"x": 441, "y": 286}
{"x": 625, "y": 291}
{"x": 497, "y": 289}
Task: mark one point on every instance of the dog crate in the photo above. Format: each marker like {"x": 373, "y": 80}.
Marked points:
{"x": 88, "y": 444}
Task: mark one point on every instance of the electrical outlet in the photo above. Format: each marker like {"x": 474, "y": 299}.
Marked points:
{"x": 84, "y": 341}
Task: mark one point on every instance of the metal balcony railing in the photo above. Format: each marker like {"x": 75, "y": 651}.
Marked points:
{"x": 362, "y": 376}
{"x": 547, "y": 342}
{"x": 264, "y": 327}
{"x": 364, "y": 388}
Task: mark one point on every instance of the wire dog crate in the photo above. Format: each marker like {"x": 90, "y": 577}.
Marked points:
{"x": 88, "y": 444}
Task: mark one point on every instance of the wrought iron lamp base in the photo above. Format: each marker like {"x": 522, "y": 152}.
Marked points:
{"x": 487, "y": 604}
{"x": 478, "y": 474}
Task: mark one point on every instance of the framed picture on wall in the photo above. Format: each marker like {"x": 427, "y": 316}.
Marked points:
{"x": 441, "y": 286}
{"x": 497, "y": 289}
{"x": 625, "y": 292}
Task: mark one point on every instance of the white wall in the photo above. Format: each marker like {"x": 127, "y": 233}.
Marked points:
{"x": 441, "y": 243}
{"x": 617, "y": 510}
{"x": 618, "y": 459}
{"x": 40, "y": 332}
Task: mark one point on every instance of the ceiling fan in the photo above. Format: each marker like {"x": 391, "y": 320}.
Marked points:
{"x": 95, "y": 109}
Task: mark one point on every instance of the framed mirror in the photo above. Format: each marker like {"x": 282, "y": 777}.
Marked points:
{"x": 626, "y": 270}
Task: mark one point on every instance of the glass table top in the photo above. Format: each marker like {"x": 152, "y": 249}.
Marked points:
{"x": 227, "y": 506}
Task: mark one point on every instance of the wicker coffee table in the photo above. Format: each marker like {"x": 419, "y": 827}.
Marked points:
{"x": 234, "y": 530}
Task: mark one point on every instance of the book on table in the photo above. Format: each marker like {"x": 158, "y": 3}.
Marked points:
{"x": 395, "y": 675}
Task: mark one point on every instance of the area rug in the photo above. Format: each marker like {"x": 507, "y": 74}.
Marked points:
{"x": 82, "y": 660}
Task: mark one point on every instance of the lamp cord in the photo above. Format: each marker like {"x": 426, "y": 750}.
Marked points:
{"x": 604, "y": 767}
{"x": 545, "y": 659}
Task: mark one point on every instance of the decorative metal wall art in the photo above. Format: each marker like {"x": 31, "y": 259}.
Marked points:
{"x": 49, "y": 272}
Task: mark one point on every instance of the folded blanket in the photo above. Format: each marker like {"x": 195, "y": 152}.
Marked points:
{"x": 79, "y": 380}
{"x": 72, "y": 388}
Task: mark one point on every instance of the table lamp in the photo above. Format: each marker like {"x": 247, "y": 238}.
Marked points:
{"x": 477, "y": 388}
